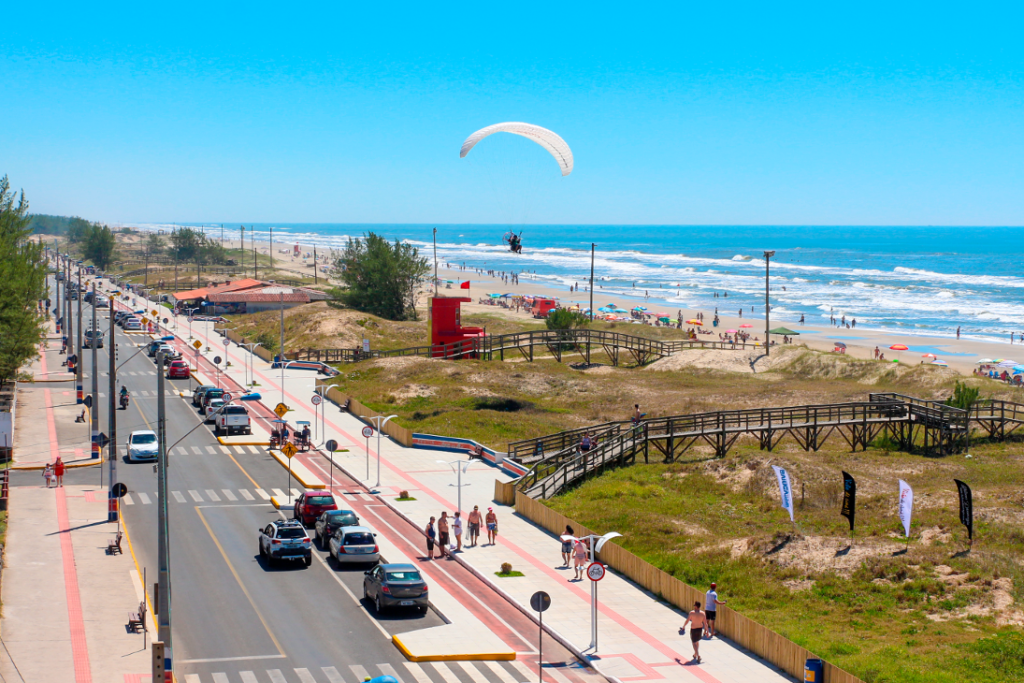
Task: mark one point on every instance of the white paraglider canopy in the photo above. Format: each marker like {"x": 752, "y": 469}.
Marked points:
{"x": 547, "y": 139}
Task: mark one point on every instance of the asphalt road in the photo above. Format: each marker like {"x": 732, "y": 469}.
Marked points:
{"x": 234, "y": 618}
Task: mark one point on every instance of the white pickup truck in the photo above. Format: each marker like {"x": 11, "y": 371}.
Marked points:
{"x": 232, "y": 420}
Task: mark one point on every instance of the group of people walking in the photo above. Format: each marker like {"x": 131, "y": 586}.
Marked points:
{"x": 447, "y": 527}
{"x": 53, "y": 473}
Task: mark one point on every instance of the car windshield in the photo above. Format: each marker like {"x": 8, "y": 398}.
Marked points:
{"x": 235, "y": 410}
{"x": 142, "y": 439}
{"x": 404, "y": 576}
{"x": 290, "y": 532}
{"x": 359, "y": 538}
{"x": 320, "y": 500}
{"x": 344, "y": 518}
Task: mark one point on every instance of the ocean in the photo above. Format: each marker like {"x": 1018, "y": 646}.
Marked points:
{"x": 911, "y": 280}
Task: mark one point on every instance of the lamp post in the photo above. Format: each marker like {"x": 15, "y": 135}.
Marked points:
{"x": 251, "y": 346}
{"x": 189, "y": 312}
{"x": 596, "y": 543}
{"x": 767, "y": 308}
{"x": 435, "y": 262}
{"x": 458, "y": 466}
{"x": 379, "y": 421}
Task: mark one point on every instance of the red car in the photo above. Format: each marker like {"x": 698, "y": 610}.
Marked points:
{"x": 310, "y": 504}
{"x": 178, "y": 369}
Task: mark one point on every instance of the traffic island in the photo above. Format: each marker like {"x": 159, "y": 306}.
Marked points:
{"x": 302, "y": 474}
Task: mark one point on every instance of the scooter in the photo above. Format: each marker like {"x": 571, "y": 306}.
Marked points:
{"x": 124, "y": 401}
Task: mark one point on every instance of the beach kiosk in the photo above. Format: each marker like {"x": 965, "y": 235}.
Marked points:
{"x": 446, "y": 325}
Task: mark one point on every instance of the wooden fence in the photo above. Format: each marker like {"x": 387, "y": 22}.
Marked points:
{"x": 743, "y": 631}
{"x": 504, "y": 492}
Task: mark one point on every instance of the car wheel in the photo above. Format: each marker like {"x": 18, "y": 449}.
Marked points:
{"x": 366, "y": 593}
{"x": 309, "y": 560}
{"x": 423, "y": 609}
{"x": 377, "y": 605}
{"x": 262, "y": 553}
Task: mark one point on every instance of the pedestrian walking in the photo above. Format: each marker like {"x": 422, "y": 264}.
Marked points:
{"x": 567, "y": 540}
{"x": 697, "y": 621}
{"x": 431, "y": 537}
{"x": 711, "y": 603}
{"x": 58, "y": 471}
{"x": 491, "y": 520}
{"x": 579, "y": 554}
{"x": 457, "y": 528}
{"x": 48, "y": 475}
{"x": 442, "y": 533}
{"x": 475, "y": 519}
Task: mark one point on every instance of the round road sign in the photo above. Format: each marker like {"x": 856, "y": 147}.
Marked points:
{"x": 226, "y": 341}
{"x": 190, "y": 319}
{"x": 595, "y": 572}
{"x": 332, "y": 445}
{"x": 216, "y": 360}
{"x": 120, "y": 490}
{"x": 367, "y": 432}
{"x": 540, "y": 601}
{"x": 316, "y": 400}
{"x": 226, "y": 396}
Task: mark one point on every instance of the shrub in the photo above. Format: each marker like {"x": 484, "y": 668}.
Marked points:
{"x": 506, "y": 568}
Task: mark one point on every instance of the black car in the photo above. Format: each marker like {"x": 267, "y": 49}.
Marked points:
{"x": 197, "y": 394}
{"x": 396, "y": 585}
{"x": 332, "y": 520}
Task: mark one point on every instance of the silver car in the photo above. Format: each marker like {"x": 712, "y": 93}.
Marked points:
{"x": 354, "y": 544}
{"x": 142, "y": 445}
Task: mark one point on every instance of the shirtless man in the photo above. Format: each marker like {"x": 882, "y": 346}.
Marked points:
{"x": 697, "y": 621}
{"x": 442, "y": 534}
{"x": 474, "y": 525}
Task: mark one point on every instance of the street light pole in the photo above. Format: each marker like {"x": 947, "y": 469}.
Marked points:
{"x": 95, "y": 410}
{"x": 163, "y": 538}
{"x": 767, "y": 307}
{"x": 459, "y": 466}
{"x": 435, "y": 262}
{"x": 112, "y": 501}
{"x": 592, "y": 248}
{"x": 380, "y": 421}
{"x": 78, "y": 366}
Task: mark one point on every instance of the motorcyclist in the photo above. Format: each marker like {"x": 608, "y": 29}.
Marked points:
{"x": 124, "y": 395}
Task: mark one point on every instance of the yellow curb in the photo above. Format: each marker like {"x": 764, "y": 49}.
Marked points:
{"x": 276, "y": 503}
{"x": 222, "y": 442}
{"x": 297, "y": 472}
{"x": 477, "y": 657}
{"x": 45, "y": 381}
{"x": 69, "y": 466}
{"x": 145, "y": 589}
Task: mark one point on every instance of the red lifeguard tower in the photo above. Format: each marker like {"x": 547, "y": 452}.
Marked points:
{"x": 446, "y": 323}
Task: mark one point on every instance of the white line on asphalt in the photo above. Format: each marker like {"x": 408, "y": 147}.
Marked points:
{"x": 361, "y": 673}
{"x": 276, "y": 676}
{"x": 197, "y": 450}
{"x": 500, "y": 672}
{"x": 262, "y": 494}
{"x": 128, "y": 499}
{"x": 220, "y": 677}
{"x": 389, "y": 670}
{"x": 474, "y": 672}
{"x": 305, "y": 676}
{"x": 447, "y": 674}
{"x": 296, "y": 493}
{"x": 418, "y": 673}
{"x": 212, "y": 495}
{"x": 143, "y": 497}
{"x": 248, "y": 677}
{"x": 521, "y": 668}
{"x": 195, "y": 496}
{"x": 253, "y": 449}
{"x": 225, "y": 449}
{"x": 180, "y": 450}
{"x": 211, "y": 450}
{"x": 332, "y": 675}
{"x": 213, "y": 660}
{"x": 555, "y": 674}
{"x": 277, "y": 492}
{"x": 192, "y": 678}
{"x": 178, "y": 497}
{"x": 245, "y": 494}
{"x": 228, "y": 494}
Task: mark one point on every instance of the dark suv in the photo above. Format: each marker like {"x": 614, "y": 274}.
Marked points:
{"x": 285, "y": 540}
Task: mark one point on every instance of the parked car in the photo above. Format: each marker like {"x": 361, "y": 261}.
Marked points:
{"x": 119, "y": 317}
{"x": 311, "y": 504}
{"x": 208, "y": 396}
{"x": 351, "y": 544}
{"x": 232, "y": 420}
{"x": 197, "y": 394}
{"x": 285, "y": 540}
{"x": 211, "y": 408}
{"x": 396, "y": 585}
{"x": 87, "y": 341}
{"x": 88, "y": 297}
{"x": 178, "y": 369}
{"x": 102, "y": 302}
{"x": 332, "y": 520}
{"x": 142, "y": 445}
{"x": 152, "y": 346}
{"x": 169, "y": 353}
{"x": 132, "y": 324}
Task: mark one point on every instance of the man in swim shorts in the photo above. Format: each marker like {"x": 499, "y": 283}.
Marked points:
{"x": 697, "y": 621}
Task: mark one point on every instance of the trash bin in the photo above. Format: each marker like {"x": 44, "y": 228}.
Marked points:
{"x": 814, "y": 671}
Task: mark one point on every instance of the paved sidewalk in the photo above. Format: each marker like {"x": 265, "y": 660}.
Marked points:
{"x": 638, "y": 635}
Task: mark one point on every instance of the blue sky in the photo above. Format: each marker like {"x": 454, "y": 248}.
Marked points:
{"x": 677, "y": 113}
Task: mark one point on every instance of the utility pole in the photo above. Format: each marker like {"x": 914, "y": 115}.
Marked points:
{"x": 592, "y": 248}
{"x": 767, "y": 307}
{"x": 78, "y": 366}
{"x": 271, "y": 248}
{"x": 242, "y": 249}
{"x": 163, "y": 539}
{"x": 255, "y": 263}
{"x": 280, "y": 356}
{"x": 112, "y": 501}
{"x": 315, "y": 266}
{"x": 95, "y": 410}
{"x": 435, "y": 263}
{"x": 62, "y": 327}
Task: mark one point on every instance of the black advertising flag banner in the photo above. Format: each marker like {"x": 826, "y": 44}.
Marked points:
{"x": 966, "y": 507}
{"x": 849, "y": 498}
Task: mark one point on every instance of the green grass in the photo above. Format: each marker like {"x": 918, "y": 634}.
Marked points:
{"x": 508, "y": 575}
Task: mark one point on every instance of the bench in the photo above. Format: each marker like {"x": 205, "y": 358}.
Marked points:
{"x": 114, "y": 544}
{"x": 137, "y": 620}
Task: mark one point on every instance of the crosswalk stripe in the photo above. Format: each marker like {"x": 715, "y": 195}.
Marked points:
{"x": 447, "y": 674}
{"x": 418, "y": 673}
{"x": 296, "y": 493}
{"x": 557, "y": 675}
{"x": 276, "y": 676}
{"x": 332, "y": 675}
{"x": 389, "y": 670}
{"x": 225, "y": 449}
{"x": 248, "y": 677}
{"x": 227, "y": 494}
{"x": 180, "y": 450}
{"x": 212, "y": 495}
{"x": 144, "y": 498}
{"x": 500, "y": 672}
{"x": 521, "y": 668}
{"x": 360, "y": 672}
{"x": 192, "y": 678}
{"x": 211, "y": 450}
{"x": 220, "y": 677}
{"x": 245, "y": 494}
{"x": 128, "y": 499}
{"x": 178, "y": 497}
{"x": 305, "y": 676}
{"x": 197, "y": 450}
{"x": 280, "y": 494}
{"x": 195, "y": 496}
{"x": 253, "y": 449}
{"x": 474, "y": 672}
{"x": 262, "y": 494}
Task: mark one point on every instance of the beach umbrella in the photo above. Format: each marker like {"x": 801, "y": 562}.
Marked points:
{"x": 939, "y": 362}
{"x": 639, "y": 308}
{"x": 606, "y": 309}
{"x": 983, "y": 361}
{"x": 929, "y": 355}
{"x": 746, "y": 326}
{"x": 1017, "y": 369}
{"x": 897, "y": 348}
{"x": 840, "y": 345}
{"x": 730, "y": 331}
{"x": 783, "y": 330}
{"x": 494, "y": 296}
{"x": 1007, "y": 364}
{"x": 665, "y": 319}
{"x": 694, "y": 321}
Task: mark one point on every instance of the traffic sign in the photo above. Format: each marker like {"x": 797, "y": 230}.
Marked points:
{"x": 216, "y": 360}
{"x": 155, "y": 314}
{"x": 197, "y": 344}
{"x": 145, "y": 320}
{"x": 190, "y": 319}
{"x": 226, "y": 397}
{"x": 280, "y": 409}
{"x": 367, "y": 432}
{"x": 540, "y": 601}
{"x": 595, "y": 572}
{"x": 332, "y": 445}
{"x": 120, "y": 490}
{"x": 103, "y": 440}
{"x": 316, "y": 400}
{"x": 226, "y": 341}
{"x": 289, "y": 449}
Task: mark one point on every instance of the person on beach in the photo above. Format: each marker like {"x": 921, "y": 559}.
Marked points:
{"x": 457, "y": 528}
{"x": 48, "y": 475}
{"x": 431, "y": 537}
{"x": 876, "y": 353}
{"x": 957, "y": 331}
{"x": 697, "y": 621}
{"x": 442, "y": 533}
{"x": 58, "y": 471}
{"x": 567, "y": 546}
{"x": 711, "y": 603}
{"x": 637, "y": 416}
{"x": 492, "y": 526}
{"x": 474, "y": 525}
{"x": 579, "y": 556}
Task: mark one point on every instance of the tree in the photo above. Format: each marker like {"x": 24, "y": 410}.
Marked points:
{"x": 381, "y": 277}
{"x": 99, "y": 245}
{"x": 23, "y": 278}
{"x": 963, "y": 396}
{"x": 151, "y": 246}
{"x": 564, "y": 319}
{"x": 186, "y": 244}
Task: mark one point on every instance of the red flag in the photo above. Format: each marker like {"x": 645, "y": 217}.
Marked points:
{"x": 464, "y": 285}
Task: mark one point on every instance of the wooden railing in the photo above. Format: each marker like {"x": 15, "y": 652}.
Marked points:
{"x": 550, "y": 477}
